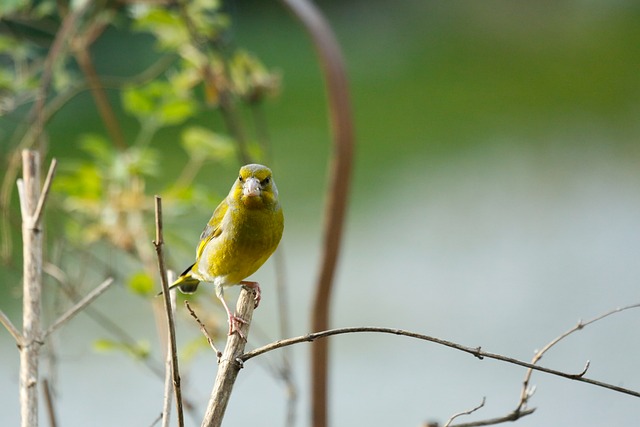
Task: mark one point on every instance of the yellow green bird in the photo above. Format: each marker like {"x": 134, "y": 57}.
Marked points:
{"x": 243, "y": 232}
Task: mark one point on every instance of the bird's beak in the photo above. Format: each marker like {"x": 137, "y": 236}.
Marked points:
{"x": 251, "y": 187}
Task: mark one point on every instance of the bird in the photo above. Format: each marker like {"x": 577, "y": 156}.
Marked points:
{"x": 243, "y": 232}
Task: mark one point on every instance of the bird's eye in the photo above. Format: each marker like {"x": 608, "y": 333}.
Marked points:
{"x": 240, "y": 178}
{"x": 266, "y": 181}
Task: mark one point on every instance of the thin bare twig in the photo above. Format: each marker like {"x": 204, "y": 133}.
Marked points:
{"x": 157, "y": 243}
{"x": 78, "y": 307}
{"x": 330, "y": 58}
{"x": 521, "y": 409}
{"x": 467, "y": 412}
{"x": 477, "y": 352}
{"x": 101, "y": 319}
{"x": 203, "y": 328}
{"x": 53, "y": 422}
{"x": 286, "y": 373}
{"x": 15, "y": 333}
{"x": 37, "y": 215}
{"x": 168, "y": 389}
{"x": 103, "y": 105}
{"x": 63, "y": 35}
{"x": 156, "y": 421}
{"x": 512, "y": 416}
{"x": 22, "y": 196}
{"x": 527, "y": 392}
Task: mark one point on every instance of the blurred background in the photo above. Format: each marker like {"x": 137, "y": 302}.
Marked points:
{"x": 495, "y": 203}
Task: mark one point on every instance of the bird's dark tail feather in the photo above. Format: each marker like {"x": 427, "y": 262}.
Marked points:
{"x": 186, "y": 282}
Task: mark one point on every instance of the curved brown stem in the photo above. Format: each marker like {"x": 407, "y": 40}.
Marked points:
{"x": 332, "y": 63}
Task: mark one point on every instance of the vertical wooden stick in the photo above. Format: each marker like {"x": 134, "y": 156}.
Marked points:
{"x": 158, "y": 243}
{"x": 49, "y": 403}
{"x": 32, "y": 286}
{"x": 168, "y": 363}
{"x": 334, "y": 70}
{"x": 229, "y": 365}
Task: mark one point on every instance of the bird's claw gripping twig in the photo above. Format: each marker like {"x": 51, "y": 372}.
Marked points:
{"x": 255, "y": 286}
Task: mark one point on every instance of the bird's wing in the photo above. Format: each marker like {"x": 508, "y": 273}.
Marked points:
{"x": 213, "y": 227}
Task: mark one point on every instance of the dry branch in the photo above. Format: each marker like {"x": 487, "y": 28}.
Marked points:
{"x": 521, "y": 409}
{"x": 37, "y": 215}
{"x": 78, "y": 307}
{"x": 204, "y": 331}
{"x": 527, "y": 391}
{"x": 15, "y": 333}
{"x": 32, "y": 204}
{"x": 475, "y": 351}
{"x": 48, "y": 399}
{"x": 168, "y": 382}
{"x": 100, "y": 318}
{"x": 66, "y": 31}
{"x": 467, "y": 412}
{"x": 230, "y": 362}
{"x": 511, "y": 417}
{"x": 29, "y": 191}
{"x": 83, "y": 57}
{"x": 158, "y": 243}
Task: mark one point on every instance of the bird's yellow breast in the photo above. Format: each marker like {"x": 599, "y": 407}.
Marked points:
{"x": 247, "y": 239}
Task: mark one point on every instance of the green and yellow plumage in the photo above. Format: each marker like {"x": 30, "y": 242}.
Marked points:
{"x": 243, "y": 232}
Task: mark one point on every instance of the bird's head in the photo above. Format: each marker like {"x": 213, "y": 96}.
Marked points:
{"x": 255, "y": 187}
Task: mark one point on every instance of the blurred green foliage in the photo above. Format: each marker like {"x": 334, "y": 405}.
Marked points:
{"x": 139, "y": 351}
{"x": 102, "y": 194}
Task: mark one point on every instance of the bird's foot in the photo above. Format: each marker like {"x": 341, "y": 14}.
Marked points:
{"x": 235, "y": 323}
{"x": 256, "y": 287}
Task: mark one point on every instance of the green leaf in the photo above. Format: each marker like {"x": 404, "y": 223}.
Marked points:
{"x": 141, "y": 283}
{"x": 250, "y": 77}
{"x": 97, "y": 147}
{"x": 159, "y": 101}
{"x": 142, "y": 161}
{"x": 166, "y": 25}
{"x": 139, "y": 350}
{"x": 84, "y": 182}
{"x": 204, "y": 144}
{"x": 105, "y": 345}
{"x": 175, "y": 111}
{"x": 137, "y": 100}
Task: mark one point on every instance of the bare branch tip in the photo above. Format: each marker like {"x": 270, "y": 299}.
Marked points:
{"x": 467, "y": 412}
{"x": 37, "y": 214}
{"x": 204, "y": 331}
{"x": 584, "y": 371}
